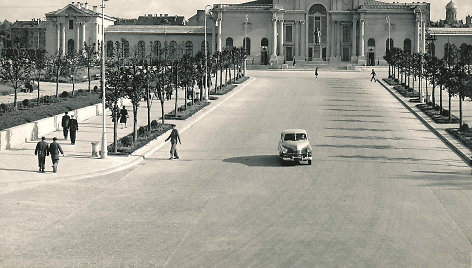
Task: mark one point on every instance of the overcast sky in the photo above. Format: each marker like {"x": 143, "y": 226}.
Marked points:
{"x": 13, "y": 10}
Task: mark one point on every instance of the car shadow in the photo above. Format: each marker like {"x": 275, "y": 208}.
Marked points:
{"x": 258, "y": 161}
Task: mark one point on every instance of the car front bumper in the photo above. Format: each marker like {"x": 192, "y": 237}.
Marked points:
{"x": 295, "y": 157}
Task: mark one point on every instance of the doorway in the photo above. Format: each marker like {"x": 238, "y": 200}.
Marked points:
{"x": 289, "y": 53}
{"x": 310, "y": 54}
{"x": 371, "y": 59}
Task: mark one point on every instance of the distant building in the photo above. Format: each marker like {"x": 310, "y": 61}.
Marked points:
{"x": 29, "y": 34}
{"x": 67, "y": 29}
{"x": 448, "y": 32}
{"x": 153, "y": 19}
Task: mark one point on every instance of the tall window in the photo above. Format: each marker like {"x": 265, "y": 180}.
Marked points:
{"x": 264, "y": 42}
{"x": 141, "y": 50}
{"x": 288, "y": 33}
{"x": 407, "y": 46}
{"x": 125, "y": 48}
{"x": 387, "y": 44}
{"x": 346, "y": 34}
{"x": 229, "y": 43}
{"x": 247, "y": 45}
{"x": 70, "y": 46}
{"x": 189, "y": 48}
{"x": 110, "y": 49}
{"x": 173, "y": 50}
{"x": 156, "y": 47}
{"x": 71, "y": 24}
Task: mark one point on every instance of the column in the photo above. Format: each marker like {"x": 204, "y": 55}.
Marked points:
{"x": 327, "y": 43}
{"x": 83, "y": 36}
{"x": 332, "y": 47}
{"x": 274, "y": 38}
{"x": 417, "y": 35}
{"x": 354, "y": 40}
{"x": 306, "y": 36}
{"x": 302, "y": 40}
{"x": 423, "y": 36}
{"x": 220, "y": 22}
{"x": 213, "y": 37}
{"x": 77, "y": 37}
{"x": 58, "y": 37}
{"x": 361, "y": 60}
{"x": 296, "y": 49}
{"x": 63, "y": 29}
{"x": 281, "y": 40}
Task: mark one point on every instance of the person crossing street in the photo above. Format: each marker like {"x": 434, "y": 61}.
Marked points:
{"x": 174, "y": 137}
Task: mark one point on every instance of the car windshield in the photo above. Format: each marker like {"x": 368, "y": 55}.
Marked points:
{"x": 295, "y": 137}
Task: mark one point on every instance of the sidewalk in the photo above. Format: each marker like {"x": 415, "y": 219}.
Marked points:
{"x": 19, "y": 165}
{"x": 438, "y": 129}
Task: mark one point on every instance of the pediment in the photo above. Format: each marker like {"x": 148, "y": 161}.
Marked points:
{"x": 69, "y": 10}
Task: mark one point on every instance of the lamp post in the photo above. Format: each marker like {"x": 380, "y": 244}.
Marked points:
{"x": 206, "y": 56}
{"x": 388, "y": 45}
{"x": 103, "y": 153}
{"x": 421, "y": 48}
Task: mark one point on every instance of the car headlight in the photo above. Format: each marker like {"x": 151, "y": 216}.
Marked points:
{"x": 284, "y": 150}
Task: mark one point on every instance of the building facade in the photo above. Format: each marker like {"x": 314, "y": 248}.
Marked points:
{"x": 355, "y": 31}
{"x": 29, "y": 34}
{"x": 68, "y": 29}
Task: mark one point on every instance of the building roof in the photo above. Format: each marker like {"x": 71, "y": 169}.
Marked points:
{"x": 449, "y": 31}
{"x": 451, "y": 5}
{"x": 70, "y": 8}
{"x": 155, "y": 29}
{"x": 258, "y": 3}
{"x": 29, "y": 24}
{"x": 374, "y": 4}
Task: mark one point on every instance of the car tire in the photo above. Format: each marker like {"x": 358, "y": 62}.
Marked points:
{"x": 309, "y": 162}
{"x": 282, "y": 162}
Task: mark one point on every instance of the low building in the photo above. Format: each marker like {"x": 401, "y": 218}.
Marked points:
{"x": 29, "y": 34}
{"x": 153, "y": 19}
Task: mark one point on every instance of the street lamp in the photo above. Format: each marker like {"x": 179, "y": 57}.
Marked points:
{"x": 206, "y": 56}
{"x": 388, "y": 23}
{"x": 103, "y": 153}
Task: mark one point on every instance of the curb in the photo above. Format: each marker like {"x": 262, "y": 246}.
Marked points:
{"x": 463, "y": 156}
{"x": 159, "y": 142}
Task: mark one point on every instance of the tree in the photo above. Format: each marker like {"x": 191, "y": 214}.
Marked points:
{"x": 39, "y": 63}
{"x": 58, "y": 63}
{"x": 16, "y": 69}
{"x": 72, "y": 67}
{"x": 134, "y": 84}
{"x": 89, "y": 59}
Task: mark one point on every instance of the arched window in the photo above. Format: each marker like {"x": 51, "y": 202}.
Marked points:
{"x": 264, "y": 42}
{"x": 70, "y": 46}
{"x": 317, "y": 25}
{"x": 125, "y": 48}
{"x": 388, "y": 44}
{"x": 189, "y": 48}
{"x": 229, "y": 43}
{"x": 317, "y": 8}
{"x": 247, "y": 45}
{"x": 203, "y": 47}
{"x": 110, "y": 49}
{"x": 141, "y": 50}
{"x": 371, "y": 42}
{"x": 407, "y": 46}
{"x": 156, "y": 48}
{"x": 173, "y": 50}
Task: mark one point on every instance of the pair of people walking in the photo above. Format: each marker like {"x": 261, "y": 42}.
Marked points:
{"x": 44, "y": 149}
{"x": 69, "y": 124}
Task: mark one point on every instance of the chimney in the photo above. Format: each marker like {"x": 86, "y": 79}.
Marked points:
{"x": 86, "y": 5}
{"x": 81, "y": 5}
{"x": 95, "y": 9}
{"x": 73, "y": 3}
{"x": 77, "y": 4}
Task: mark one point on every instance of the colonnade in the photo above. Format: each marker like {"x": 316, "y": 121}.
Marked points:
{"x": 78, "y": 35}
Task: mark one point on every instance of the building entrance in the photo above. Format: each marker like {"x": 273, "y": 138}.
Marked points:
{"x": 289, "y": 53}
{"x": 371, "y": 59}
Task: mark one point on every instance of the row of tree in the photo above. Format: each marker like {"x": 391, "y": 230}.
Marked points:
{"x": 452, "y": 73}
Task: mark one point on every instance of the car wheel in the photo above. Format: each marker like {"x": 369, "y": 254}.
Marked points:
{"x": 309, "y": 162}
{"x": 282, "y": 162}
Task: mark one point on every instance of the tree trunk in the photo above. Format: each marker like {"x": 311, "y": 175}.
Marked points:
{"x": 135, "y": 122}
{"x": 460, "y": 110}
{"x": 39, "y": 78}
{"x": 221, "y": 77}
{"x": 201, "y": 89}
{"x": 185, "y": 97}
{"x": 162, "y": 110}
{"x": 433, "y": 98}
{"x": 176, "y": 97}
{"x": 15, "y": 100}
{"x": 73, "y": 86}
{"x": 450, "y": 97}
{"x": 148, "y": 103}
{"x": 426, "y": 89}
{"x": 440, "y": 98}
{"x": 57, "y": 82}
{"x": 115, "y": 128}
{"x": 88, "y": 78}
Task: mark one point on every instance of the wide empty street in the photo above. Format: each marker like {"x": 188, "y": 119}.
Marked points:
{"x": 382, "y": 191}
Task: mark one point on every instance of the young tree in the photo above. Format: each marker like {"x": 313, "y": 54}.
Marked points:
{"x": 72, "y": 67}
{"x": 16, "y": 69}
{"x": 88, "y": 59}
{"x": 58, "y": 63}
{"x": 134, "y": 88}
{"x": 39, "y": 63}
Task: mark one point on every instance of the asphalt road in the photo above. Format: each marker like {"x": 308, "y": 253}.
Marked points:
{"x": 382, "y": 191}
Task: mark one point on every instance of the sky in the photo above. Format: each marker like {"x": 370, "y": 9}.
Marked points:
{"x": 13, "y": 10}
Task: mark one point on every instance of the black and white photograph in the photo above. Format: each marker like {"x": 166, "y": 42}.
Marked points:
{"x": 236, "y": 133}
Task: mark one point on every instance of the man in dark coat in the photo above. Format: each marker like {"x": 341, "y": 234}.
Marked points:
{"x": 41, "y": 151}
{"x": 65, "y": 124}
{"x": 174, "y": 137}
{"x": 73, "y": 128}
{"x": 54, "y": 150}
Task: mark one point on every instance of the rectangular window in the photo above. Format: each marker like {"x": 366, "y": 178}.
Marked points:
{"x": 346, "y": 34}
{"x": 288, "y": 34}
{"x": 71, "y": 24}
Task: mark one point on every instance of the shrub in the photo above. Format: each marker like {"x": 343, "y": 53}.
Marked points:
{"x": 445, "y": 113}
{"x": 64, "y": 94}
{"x": 4, "y": 107}
{"x": 430, "y": 103}
{"x": 142, "y": 131}
{"x": 25, "y": 103}
{"x": 465, "y": 127}
{"x": 437, "y": 107}
{"x": 154, "y": 123}
{"x": 126, "y": 141}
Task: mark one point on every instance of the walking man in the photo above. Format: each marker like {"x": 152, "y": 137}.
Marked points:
{"x": 373, "y": 76}
{"x": 65, "y": 124}
{"x": 73, "y": 127}
{"x": 41, "y": 151}
{"x": 174, "y": 137}
{"x": 316, "y": 72}
{"x": 54, "y": 150}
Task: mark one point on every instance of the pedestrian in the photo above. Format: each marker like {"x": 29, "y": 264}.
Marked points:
{"x": 73, "y": 128}
{"x": 174, "y": 137}
{"x": 123, "y": 116}
{"x": 41, "y": 151}
{"x": 373, "y": 76}
{"x": 54, "y": 150}
{"x": 294, "y": 62}
{"x": 65, "y": 124}
{"x": 316, "y": 72}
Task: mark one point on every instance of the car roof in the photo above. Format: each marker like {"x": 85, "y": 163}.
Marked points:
{"x": 295, "y": 130}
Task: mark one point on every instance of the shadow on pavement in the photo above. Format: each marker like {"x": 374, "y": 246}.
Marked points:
{"x": 258, "y": 161}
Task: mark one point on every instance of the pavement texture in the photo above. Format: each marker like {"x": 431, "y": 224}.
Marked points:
{"x": 383, "y": 190}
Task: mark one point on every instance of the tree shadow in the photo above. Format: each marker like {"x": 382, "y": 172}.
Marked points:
{"x": 257, "y": 161}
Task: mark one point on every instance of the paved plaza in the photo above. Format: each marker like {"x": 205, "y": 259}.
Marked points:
{"x": 383, "y": 190}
